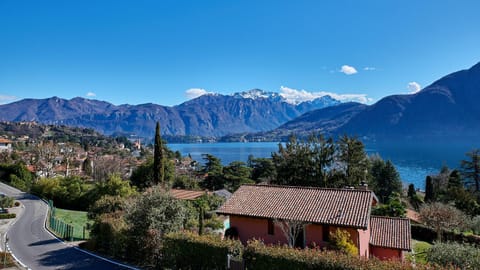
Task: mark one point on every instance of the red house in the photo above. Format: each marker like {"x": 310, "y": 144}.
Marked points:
{"x": 256, "y": 211}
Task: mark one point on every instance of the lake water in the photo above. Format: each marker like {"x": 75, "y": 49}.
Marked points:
{"x": 413, "y": 162}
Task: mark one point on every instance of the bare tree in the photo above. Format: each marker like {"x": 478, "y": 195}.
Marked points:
{"x": 45, "y": 155}
{"x": 104, "y": 166}
{"x": 291, "y": 229}
{"x": 442, "y": 217}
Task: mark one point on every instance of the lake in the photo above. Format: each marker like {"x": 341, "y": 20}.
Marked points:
{"x": 413, "y": 162}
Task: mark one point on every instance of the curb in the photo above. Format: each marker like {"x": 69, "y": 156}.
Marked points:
{"x": 79, "y": 249}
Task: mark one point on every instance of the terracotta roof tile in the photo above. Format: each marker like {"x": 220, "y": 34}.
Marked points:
{"x": 184, "y": 194}
{"x": 2, "y": 140}
{"x": 390, "y": 232}
{"x": 343, "y": 207}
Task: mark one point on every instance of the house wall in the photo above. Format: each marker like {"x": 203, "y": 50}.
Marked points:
{"x": 364, "y": 242}
{"x": 386, "y": 253}
{"x": 250, "y": 228}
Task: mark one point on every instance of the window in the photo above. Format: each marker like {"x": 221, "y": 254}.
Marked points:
{"x": 271, "y": 227}
{"x": 326, "y": 233}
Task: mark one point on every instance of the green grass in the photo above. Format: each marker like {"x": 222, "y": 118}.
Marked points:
{"x": 76, "y": 218}
{"x": 420, "y": 249}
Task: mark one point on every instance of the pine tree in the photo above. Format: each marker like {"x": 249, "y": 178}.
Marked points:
{"x": 352, "y": 155}
{"x": 158, "y": 158}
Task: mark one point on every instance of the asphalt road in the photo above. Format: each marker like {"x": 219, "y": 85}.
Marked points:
{"x": 36, "y": 248}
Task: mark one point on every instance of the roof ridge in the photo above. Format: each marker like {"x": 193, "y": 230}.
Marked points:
{"x": 385, "y": 217}
{"x": 309, "y": 187}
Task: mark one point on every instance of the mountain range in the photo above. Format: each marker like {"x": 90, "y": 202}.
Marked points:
{"x": 447, "y": 109}
{"x": 210, "y": 115}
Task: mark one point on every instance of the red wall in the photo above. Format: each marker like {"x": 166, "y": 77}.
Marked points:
{"x": 250, "y": 228}
{"x": 386, "y": 253}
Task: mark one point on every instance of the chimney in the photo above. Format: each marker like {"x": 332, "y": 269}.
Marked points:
{"x": 363, "y": 186}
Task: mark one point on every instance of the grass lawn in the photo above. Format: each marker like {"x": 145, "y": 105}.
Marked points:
{"x": 76, "y": 218}
{"x": 420, "y": 249}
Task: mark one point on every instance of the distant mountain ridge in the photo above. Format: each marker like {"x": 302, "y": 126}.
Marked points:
{"x": 210, "y": 115}
{"x": 449, "y": 108}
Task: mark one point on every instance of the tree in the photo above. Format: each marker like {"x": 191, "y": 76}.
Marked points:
{"x": 385, "y": 179}
{"x": 471, "y": 169}
{"x": 413, "y": 197}
{"x": 158, "y": 158}
{"x": 303, "y": 163}
{"x": 263, "y": 169}
{"x": 442, "y": 217}
{"x": 236, "y": 174}
{"x": 150, "y": 216}
{"x": 291, "y": 229}
{"x": 429, "y": 191}
{"x": 393, "y": 208}
{"x": 142, "y": 176}
{"x": 213, "y": 171}
{"x": 353, "y": 160}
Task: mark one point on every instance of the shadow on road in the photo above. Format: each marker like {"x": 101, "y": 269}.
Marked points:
{"x": 44, "y": 242}
{"x": 69, "y": 258}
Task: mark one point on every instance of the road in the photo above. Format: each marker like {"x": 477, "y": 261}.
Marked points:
{"x": 36, "y": 248}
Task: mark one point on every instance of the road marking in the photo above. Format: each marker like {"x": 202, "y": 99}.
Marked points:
{"x": 82, "y": 250}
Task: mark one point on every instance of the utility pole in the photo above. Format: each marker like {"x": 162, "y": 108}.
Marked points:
{"x": 5, "y": 252}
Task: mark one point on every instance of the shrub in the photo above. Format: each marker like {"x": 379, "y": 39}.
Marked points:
{"x": 17, "y": 204}
{"x": 463, "y": 256}
{"x": 187, "y": 250}
{"x": 7, "y": 215}
{"x": 8, "y": 262}
{"x": 342, "y": 241}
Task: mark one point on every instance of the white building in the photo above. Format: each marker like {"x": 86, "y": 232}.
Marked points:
{"x": 5, "y": 145}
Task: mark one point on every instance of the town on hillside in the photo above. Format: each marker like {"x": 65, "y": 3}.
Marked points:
{"x": 320, "y": 201}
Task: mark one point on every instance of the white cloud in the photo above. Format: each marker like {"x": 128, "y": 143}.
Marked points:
{"x": 196, "y": 92}
{"x": 349, "y": 70}
{"x": 369, "y": 68}
{"x": 6, "y": 99}
{"x": 297, "y": 96}
{"x": 91, "y": 94}
{"x": 413, "y": 87}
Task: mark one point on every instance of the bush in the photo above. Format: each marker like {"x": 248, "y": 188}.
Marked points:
{"x": 342, "y": 241}
{"x": 186, "y": 250}
{"x": 16, "y": 204}
{"x": 9, "y": 260}
{"x": 7, "y": 215}
{"x": 463, "y": 256}
{"x": 6, "y": 202}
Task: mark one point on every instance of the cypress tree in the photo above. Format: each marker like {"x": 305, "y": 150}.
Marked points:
{"x": 429, "y": 193}
{"x": 158, "y": 158}
{"x": 411, "y": 191}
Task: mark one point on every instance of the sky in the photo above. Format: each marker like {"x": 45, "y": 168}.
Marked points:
{"x": 166, "y": 52}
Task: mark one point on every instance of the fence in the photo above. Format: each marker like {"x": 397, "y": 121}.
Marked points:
{"x": 64, "y": 230}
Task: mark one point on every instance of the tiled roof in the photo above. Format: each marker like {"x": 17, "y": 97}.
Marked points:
{"x": 184, "y": 194}
{"x": 390, "y": 232}
{"x": 2, "y": 140}
{"x": 343, "y": 207}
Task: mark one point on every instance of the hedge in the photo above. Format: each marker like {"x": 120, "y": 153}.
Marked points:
{"x": 259, "y": 256}
{"x": 187, "y": 250}
{"x": 427, "y": 234}
{"x": 7, "y": 215}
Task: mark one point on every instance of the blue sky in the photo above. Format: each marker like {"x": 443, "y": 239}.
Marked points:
{"x": 165, "y": 52}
